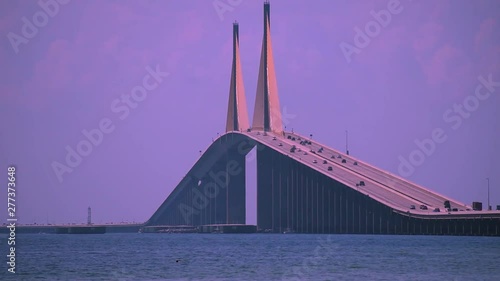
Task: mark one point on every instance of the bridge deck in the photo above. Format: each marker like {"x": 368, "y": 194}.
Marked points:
{"x": 381, "y": 185}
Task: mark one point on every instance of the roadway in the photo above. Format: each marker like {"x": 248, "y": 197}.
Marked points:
{"x": 422, "y": 195}
{"x": 383, "y": 186}
{"x": 338, "y": 172}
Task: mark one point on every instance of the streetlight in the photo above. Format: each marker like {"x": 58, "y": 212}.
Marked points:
{"x": 489, "y": 207}
{"x": 346, "y": 142}
{"x": 200, "y": 152}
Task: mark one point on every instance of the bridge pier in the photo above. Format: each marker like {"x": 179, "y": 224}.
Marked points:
{"x": 235, "y": 169}
{"x": 264, "y": 189}
{"x": 218, "y": 196}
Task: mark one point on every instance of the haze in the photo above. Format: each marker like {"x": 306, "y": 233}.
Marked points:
{"x": 404, "y": 85}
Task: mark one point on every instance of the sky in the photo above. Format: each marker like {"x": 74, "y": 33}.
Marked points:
{"x": 415, "y": 82}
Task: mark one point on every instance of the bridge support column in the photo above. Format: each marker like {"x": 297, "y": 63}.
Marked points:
{"x": 275, "y": 190}
{"x": 235, "y": 192}
{"x": 264, "y": 188}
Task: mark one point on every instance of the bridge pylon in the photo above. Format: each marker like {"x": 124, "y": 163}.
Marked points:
{"x": 237, "y": 113}
{"x": 267, "y": 114}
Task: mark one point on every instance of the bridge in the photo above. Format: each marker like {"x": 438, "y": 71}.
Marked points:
{"x": 303, "y": 186}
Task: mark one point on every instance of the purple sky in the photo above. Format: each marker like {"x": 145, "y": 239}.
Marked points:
{"x": 394, "y": 90}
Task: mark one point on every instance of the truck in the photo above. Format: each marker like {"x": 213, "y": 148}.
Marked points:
{"x": 477, "y": 206}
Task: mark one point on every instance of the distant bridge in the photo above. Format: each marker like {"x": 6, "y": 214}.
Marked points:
{"x": 304, "y": 186}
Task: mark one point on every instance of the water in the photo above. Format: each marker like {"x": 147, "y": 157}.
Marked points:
{"x": 253, "y": 257}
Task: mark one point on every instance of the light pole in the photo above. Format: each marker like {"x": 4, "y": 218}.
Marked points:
{"x": 346, "y": 142}
{"x": 489, "y": 207}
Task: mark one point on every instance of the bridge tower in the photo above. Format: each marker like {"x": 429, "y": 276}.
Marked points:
{"x": 237, "y": 115}
{"x": 267, "y": 114}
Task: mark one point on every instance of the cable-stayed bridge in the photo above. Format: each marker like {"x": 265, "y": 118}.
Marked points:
{"x": 303, "y": 186}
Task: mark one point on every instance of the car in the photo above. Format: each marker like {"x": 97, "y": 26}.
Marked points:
{"x": 339, "y": 156}
{"x": 292, "y": 149}
{"x": 249, "y": 130}
{"x": 436, "y": 210}
{"x": 280, "y": 144}
{"x": 412, "y": 207}
{"x": 355, "y": 163}
{"x": 455, "y": 210}
{"x": 314, "y": 161}
{"x": 293, "y": 139}
{"x": 305, "y": 152}
{"x": 423, "y": 207}
{"x": 344, "y": 161}
{"x": 324, "y": 161}
{"x": 312, "y": 151}
{"x": 309, "y": 142}
{"x": 289, "y": 137}
{"x": 447, "y": 204}
{"x": 333, "y": 156}
{"x": 274, "y": 138}
{"x": 299, "y": 150}
{"x": 330, "y": 168}
{"x": 361, "y": 183}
